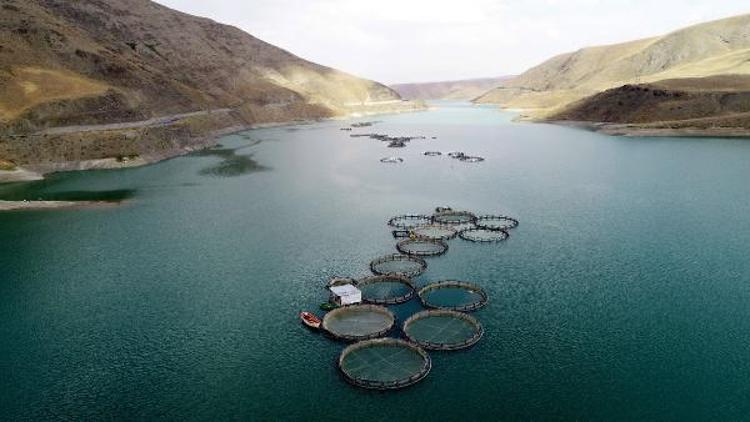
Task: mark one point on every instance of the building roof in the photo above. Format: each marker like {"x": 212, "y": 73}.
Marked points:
{"x": 345, "y": 290}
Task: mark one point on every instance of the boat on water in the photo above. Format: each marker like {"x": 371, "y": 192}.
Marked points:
{"x": 310, "y": 320}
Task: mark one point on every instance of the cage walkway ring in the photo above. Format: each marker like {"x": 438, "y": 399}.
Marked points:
{"x": 409, "y": 221}
{"x": 443, "y": 330}
{"x": 358, "y": 322}
{"x": 436, "y": 231}
{"x": 484, "y": 235}
{"x": 422, "y": 246}
{"x": 405, "y": 265}
{"x": 384, "y": 364}
{"x": 453, "y": 296}
{"x": 390, "y": 289}
{"x": 496, "y": 222}
{"x": 454, "y": 217}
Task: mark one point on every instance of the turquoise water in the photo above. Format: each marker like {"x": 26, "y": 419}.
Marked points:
{"x": 623, "y": 294}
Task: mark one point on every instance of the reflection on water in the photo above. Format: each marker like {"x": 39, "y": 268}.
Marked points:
{"x": 36, "y": 191}
{"x": 232, "y": 164}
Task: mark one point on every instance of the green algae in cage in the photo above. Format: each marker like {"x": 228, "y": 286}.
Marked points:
{"x": 384, "y": 364}
{"x": 388, "y": 289}
{"x": 443, "y": 330}
{"x": 404, "y": 265}
{"x": 358, "y": 322}
{"x": 453, "y": 295}
{"x": 422, "y": 247}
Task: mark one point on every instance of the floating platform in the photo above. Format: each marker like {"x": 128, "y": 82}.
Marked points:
{"x": 358, "y": 322}
{"x": 386, "y": 289}
{"x": 453, "y": 296}
{"x": 404, "y": 265}
{"x": 384, "y": 364}
{"x": 443, "y": 330}
{"x": 471, "y": 159}
{"x": 422, "y": 247}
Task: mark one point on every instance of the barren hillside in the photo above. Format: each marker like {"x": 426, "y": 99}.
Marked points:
{"x": 715, "y": 48}
{"x": 449, "y": 90}
{"x": 93, "y": 62}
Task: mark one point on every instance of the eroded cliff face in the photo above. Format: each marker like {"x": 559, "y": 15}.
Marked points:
{"x": 90, "y": 65}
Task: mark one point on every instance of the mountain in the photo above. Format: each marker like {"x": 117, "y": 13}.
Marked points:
{"x": 85, "y": 82}
{"x": 467, "y": 89}
{"x": 719, "y": 48}
{"x": 709, "y": 106}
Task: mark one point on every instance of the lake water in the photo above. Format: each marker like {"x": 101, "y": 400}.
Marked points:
{"x": 623, "y": 294}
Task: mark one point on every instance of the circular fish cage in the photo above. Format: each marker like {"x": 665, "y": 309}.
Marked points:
{"x": 433, "y": 153}
{"x": 454, "y": 218}
{"x": 386, "y": 289}
{"x": 392, "y": 160}
{"x": 484, "y": 235}
{"x": 358, "y": 322}
{"x": 435, "y": 231}
{"x": 496, "y": 222}
{"x": 443, "y": 330}
{"x": 471, "y": 159}
{"x": 398, "y": 264}
{"x": 409, "y": 221}
{"x": 384, "y": 364}
{"x": 422, "y": 246}
{"x": 453, "y": 296}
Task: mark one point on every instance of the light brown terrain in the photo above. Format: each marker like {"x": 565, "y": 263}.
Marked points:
{"x": 698, "y": 64}
{"x": 91, "y": 64}
{"x": 448, "y": 90}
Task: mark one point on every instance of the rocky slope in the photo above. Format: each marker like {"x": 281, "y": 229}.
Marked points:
{"x": 718, "y": 105}
{"x": 90, "y": 65}
{"x": 448, "y": 90}
{"x": 706, "y": 50}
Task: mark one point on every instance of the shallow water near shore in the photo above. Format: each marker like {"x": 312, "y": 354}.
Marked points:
{"x": 623, "y": 294}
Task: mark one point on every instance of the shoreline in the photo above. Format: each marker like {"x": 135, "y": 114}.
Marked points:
{"x": 53, "y": 205}
{"x": 34, "y": 172}
{"x": 633, "y": 130}
{"x": 637, "y": 131}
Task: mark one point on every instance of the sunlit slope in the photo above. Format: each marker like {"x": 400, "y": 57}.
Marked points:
{"x": 714, "y": 48}
{"x": 92, "y": 62}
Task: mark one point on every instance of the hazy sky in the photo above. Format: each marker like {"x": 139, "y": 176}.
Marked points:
{"x": 432, "y": 40}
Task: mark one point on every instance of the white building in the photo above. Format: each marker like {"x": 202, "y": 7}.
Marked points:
{"x": 346, "y": 294}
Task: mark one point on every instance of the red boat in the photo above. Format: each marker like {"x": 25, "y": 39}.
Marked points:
{"x": 310, "y": 320}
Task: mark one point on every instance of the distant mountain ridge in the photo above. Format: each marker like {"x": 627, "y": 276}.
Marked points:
{"x": 710, "y": 49}
{"x": 101, "y": 62}
{"x": 466, "y": 89}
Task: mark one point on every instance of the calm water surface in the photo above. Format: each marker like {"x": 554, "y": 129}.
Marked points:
{"x": 624, "y": 294}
